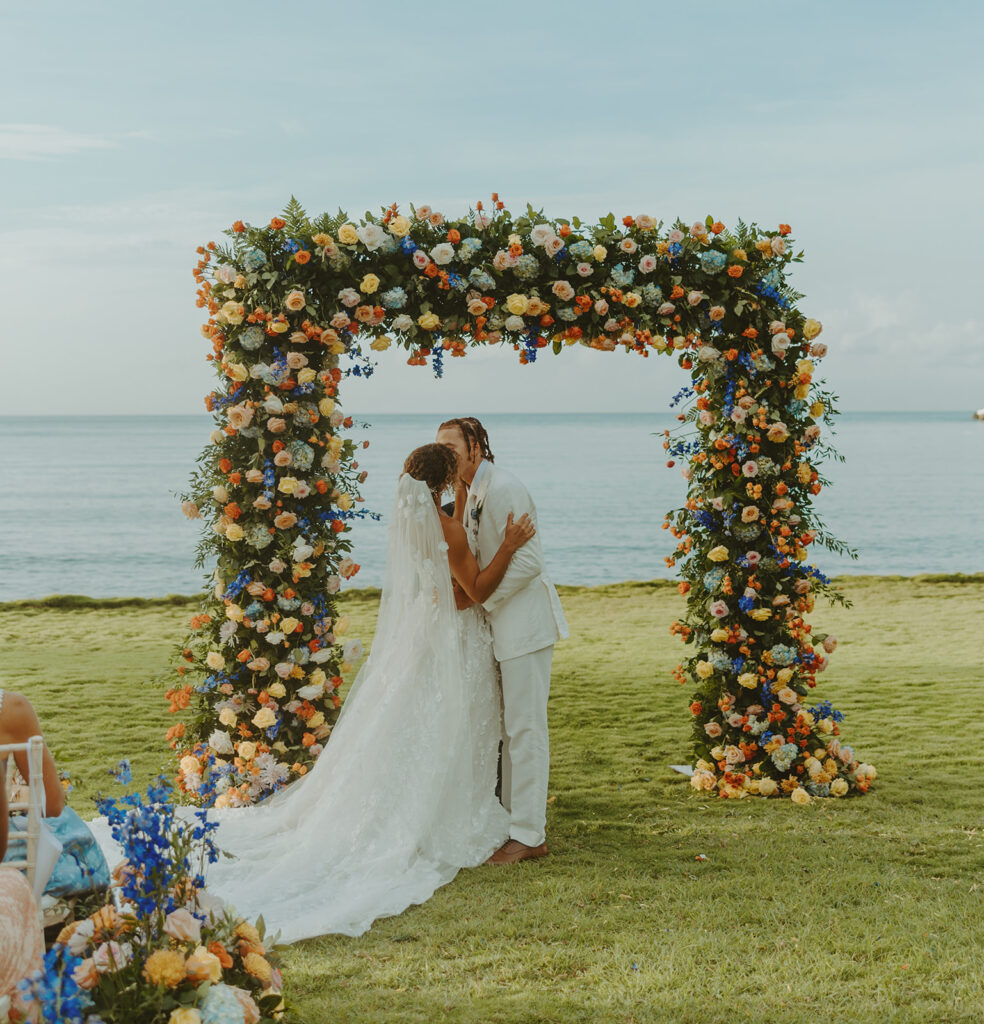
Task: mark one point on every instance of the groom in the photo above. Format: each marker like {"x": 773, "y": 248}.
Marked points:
{"x": 526, "y": 620}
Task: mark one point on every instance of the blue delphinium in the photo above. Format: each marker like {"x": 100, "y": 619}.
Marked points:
{"x": 122, "y": 772}
{"x": 55, "y": 990}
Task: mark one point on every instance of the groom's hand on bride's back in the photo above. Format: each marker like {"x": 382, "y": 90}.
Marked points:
{"x": 519, "y": 532}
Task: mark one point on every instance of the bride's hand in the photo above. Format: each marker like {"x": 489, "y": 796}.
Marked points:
{"x": 518, "y": 533}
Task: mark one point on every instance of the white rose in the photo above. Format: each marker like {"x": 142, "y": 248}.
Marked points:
{"x": 220, "y": 742}
{"x": 515, "y": 323}
{"x": 372, "y": 236}
{"x": 708, "y": 354}
{"x": 541, "y": 234}
{"x": 443, "y": 253}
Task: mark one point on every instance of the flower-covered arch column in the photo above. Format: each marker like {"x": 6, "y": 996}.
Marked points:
{"x": 296, "y": 306}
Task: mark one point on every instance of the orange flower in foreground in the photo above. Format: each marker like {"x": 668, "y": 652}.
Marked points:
{"x": 277, "y": 223}
{"x": 238, "y": 226}
{"x": 735, "y": 271}
{"x": 302, "y": 256}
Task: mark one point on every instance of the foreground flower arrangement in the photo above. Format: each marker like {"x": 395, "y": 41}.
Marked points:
{"x": 172, "y": 953}
{"x": 296, "y": 306}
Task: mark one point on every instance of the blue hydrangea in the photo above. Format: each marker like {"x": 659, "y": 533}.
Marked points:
{"x": 258, "y": 536}
{"x": 468, "y": 248}
{"x": 253, "y": 259}
{"x": 797, "y": 407}
{"x": 527, "y": 267}
{"x": 252, "y": 338}
{"x": 389, "y": 244}
{"x": 395, "y": 298}
{"x": 712, "y": 261}
{"x": 784, "y": 757}
{"x": 220, "y": 1006}
{"x": 306, "y": 416}
{"x": 567, "y": 313}
{"x": 817, "y": 788}
{"x": 720, "y": 661}
{"x": 481, "y": 280}
{"x": 580, "y": 251}
{"x": 782, "y": 655}
{"x": 713, "y": 578}
{"x": 288, "y": 604}
{"x": 773, "y": 279}
{"x": 256, "y": 608}
{"x": 301, "y": 455}
{"x": 746, "y": 531}
{"x": 622, "y": 276}
{"x": 652, "y": 294}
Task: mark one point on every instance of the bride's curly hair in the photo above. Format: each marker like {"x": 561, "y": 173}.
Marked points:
{"x": 435, "y": 464}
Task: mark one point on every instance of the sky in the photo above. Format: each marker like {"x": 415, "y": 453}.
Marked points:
{"x": 131, "y": 133}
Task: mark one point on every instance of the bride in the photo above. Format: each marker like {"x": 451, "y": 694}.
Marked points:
{"x": 403, "y": 795}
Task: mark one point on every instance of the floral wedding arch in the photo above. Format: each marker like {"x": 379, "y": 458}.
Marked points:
{"x": 297, "y": 306}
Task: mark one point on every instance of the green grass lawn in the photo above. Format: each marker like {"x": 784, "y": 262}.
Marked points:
{"x": 869, "y": 909}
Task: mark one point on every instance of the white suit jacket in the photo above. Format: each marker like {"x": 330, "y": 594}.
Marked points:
{"x": 524, "y": 612}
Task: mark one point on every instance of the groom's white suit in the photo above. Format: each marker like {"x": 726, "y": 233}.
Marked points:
{"x": 526, "y": 620}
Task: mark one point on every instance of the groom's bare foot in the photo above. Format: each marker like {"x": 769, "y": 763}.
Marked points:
{"x": 513, "y": 851}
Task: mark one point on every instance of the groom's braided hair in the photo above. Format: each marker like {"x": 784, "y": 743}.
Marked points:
{"x": 473, "y": 432}
{"x": 435, "y": 464}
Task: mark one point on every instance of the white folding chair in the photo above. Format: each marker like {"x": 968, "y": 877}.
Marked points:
{"x": 40, "y": 853}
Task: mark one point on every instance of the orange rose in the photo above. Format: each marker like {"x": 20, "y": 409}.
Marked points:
{"x": 302, "y": 256}
{"x": 238, "y": 226}
{"x": 277, "y": 223}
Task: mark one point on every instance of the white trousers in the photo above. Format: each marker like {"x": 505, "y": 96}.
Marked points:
{"x": 525, "y": 744}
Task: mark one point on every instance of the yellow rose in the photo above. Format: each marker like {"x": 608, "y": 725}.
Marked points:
{"x": 279, "y": 327}
{"x": 717, "y": 753}
{"x": 326, "y": 406}
{"x": 341, "y": 626}
{"x": 704, "y": 669}
{"x": 237, "y": 371}
{"x": 719, "y": 636}
{"x": 287, "y": 484}
{"x": 214, "y": 660}
{"x": 803, "y": 472}
{"x": 278, "y": 690}
{"x": 718, "y": 554}
{"x": 811, "y": 329}
{"x": 749, "y": 680}
{"x": 631, "y": 299}
{"x": 380, "y": 344}
{"x": 802, "y": 392}
{"x": 234, "y": 532}
{"x": 264, "y": 718}
{"x": 288, "y": 625}
{"x": 316, "y": 719}
{"x": 514, "y": 239}
{"x": 816, "y": 410}
{"x": 321, "y": 239}
{"x": 767, "y": 787}
{"x": 203, "y": 966}
{"x": 348, "y": 234}
{"x": 429, "y": 321}
{"x": 246, "y": 750}
{"x": 761, "y": 614}
{"x": 306, "y": 376}
{"x": 839, "y": 787}
{"x": 599, "y": 252}
{"x": 799, "y": 796}
{"x": 784, "y": 675}
{"x": 227, "y": 716}
{"x": 189, "y": 765}
{"x": 399, "y": 226}
{"x": 185, "y": 1015}
{"x": 234, "y": 612}
{"x": 805, "y": 366}
{"x": 517, "y": 304}
{"x": 344, "y": 502}
{"x": 369, "y": 284}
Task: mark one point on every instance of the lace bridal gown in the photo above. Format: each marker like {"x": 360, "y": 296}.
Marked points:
{"x": 403, "y": 795}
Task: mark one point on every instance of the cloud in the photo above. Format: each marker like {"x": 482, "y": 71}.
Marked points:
{"x": 39, "y": 141}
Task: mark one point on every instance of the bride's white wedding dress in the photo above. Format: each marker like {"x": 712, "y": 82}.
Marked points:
{"x": 403, "y": 795}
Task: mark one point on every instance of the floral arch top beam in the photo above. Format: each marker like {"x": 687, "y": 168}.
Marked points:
{"x": 296, "y": 306}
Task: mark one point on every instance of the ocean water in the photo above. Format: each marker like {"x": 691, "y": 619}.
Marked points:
{"x": 88, "y": 504}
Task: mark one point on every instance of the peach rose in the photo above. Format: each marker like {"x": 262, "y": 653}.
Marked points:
{"x": 295, "y": 301}
{"x": 239, "y": 416}
{"x": 203, "y": 966}
{"x": 713, "y": 729}
{"x": 563, "y": 290}
{"x": 285, "y": 520}
{"x": 190, "y": 509}
{"x": 182, "y": 925}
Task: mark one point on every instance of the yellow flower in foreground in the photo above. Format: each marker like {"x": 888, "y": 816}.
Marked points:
{"x": 234, "y": 532}
{"x": 326, "y": 406}
{"x": 344, "y": 501}
{"x": 203, "y": 966}
{"x": 321, "y": 239}
{"x": 264, "y": 718}
{"x": 277, "y": 690}
{"x": 247, "y": 750}
{"x": 288, "y": 625}
{"x": 348, "y": 234}
{"x": 287, "y": 484}
{"x": 399, "y": 226}
{"x": 429, "y": 321}
{"x": 811, "y": 329}
{"x": 800, "y": 796}
{"x": 718, "y": 554}
{"x": 517, "y": 304}
{"x": 704, "y": 669}
{"x": 380, "y": 344}
{"x": 165, "y": 967}
{"x": 767, "y": 787}
{"x": 839, "y": 787}
{"x": 227, "y": 716}
{"x": 306, "y": 376}
{"x": 316, "y": 719}
{"x": 761, "y": 614}
{"x": 719, "y": 636}
{"x": 237, "y": 371}
{"x": 258, "y": 967}
{"x": 749, "y": 680}
{"x": 214, "y": 660}
{"x": 369, "y": 284}
{"x": 341, "y": 626}
{"x": 599, "y": 252}
{"x": 185, "y": 1015}
{"x": 816, "y": 410}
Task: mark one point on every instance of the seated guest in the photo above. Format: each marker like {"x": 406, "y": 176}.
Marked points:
{"x": 81, "y": 868}
{"x": 21, "y": 940}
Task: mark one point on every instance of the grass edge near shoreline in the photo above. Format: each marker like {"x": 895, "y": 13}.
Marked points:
{"x": 68, "y": 602}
